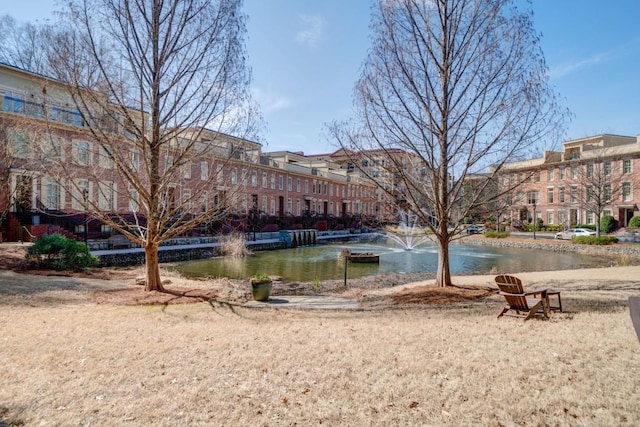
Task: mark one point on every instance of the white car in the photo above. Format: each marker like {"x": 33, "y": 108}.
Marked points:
{"x": 574, "y": 232}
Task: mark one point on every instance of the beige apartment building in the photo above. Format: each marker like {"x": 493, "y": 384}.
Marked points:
{"x": 568, "y": 187}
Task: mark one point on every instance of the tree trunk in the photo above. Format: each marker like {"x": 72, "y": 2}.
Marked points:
{"x": 443, "y": 275}
{"x": 152, "y": 269}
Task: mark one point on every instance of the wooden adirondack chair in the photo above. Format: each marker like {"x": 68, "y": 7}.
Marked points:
{"x": 524, "y": 304}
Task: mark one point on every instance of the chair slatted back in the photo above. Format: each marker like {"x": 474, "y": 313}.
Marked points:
{"x": 512, "y": 285}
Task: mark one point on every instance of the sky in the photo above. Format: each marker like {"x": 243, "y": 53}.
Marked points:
{"x": 306, "y": 55}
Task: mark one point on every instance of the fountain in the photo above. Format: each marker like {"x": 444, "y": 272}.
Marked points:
{"x": 409, "y": 235}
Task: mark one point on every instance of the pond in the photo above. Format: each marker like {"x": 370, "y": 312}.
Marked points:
{"x": 322, "y": 262}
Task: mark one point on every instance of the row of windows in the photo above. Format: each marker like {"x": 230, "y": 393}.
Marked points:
{"x": 571, "y": 194}
{"x": 13, "y": 102}
{"x": 572, "y": 171}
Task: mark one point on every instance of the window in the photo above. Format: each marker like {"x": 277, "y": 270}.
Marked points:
{"x": 204, "y": 201}
{"x": 106, "y": 196}
{"x": 81, "y": 154}
{"x": 281, "y": 183}
{"x": 590, "y": 194}
{"x": 81, "y": 194}
{"x": 562, "y": 218}
{"x": 589, "y": 169}
{"x": 561, "y": 194}
{"x": 254, "y": 178}
{"x": 289, "y": 184}
{"x": 51, "y": 194}
{"x": 626, "y": 191}
{"x": 234, "y": 176}
{"x": 626, "y": 166}
{"x": 298, "y": 185}
{"x": 13, "y": 103}
{"x": 549, "y": 217}
{"x": 607, "y": 192}
{"x": 134, "y": 200}
{"x": 532, "y": 197}
{"x": 264, "y": 183}
{"x": 590, "y": 217}
{"x": 105, "y": 158}
{"x": 306, "y": 186}
{"x": 187, "y": 170}
{"x": 20, "y": 148}
{"x": 168, "y": 162}
{"x": 187, "y": 202}
{"x": 204, "y": 171}
{"x": 219, "y": 174}
{"x": 273, "y": 181}
{"x": 574, "y": 171}
{"x": 135, "y": 160}
{"x": 550, "y": 195}
{"x": 606, "y": 166}
{"x": 574, "y": 194}
{"x": 562, "y": 176}
{"x": 536, "y": 176}
{"x": 51, "y": 148}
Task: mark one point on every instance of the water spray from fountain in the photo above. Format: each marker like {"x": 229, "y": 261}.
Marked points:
{"x": 408, "y": 234}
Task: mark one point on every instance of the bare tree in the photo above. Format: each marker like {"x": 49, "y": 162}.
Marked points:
{"x": 157, "y": 84}
{"x": 458, "y": 85}
{"x": 23, "y": 45}
{"x": 600, "y": 184}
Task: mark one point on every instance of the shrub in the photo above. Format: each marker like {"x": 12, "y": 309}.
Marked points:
{"x": 496, "y": 234}
{"x": 634, "y": 222}
{"x": 553, "y": 228}
{"x": 594, "y": 240}
{"x": 60, "y": 253}
{"x": 608, "y": 224}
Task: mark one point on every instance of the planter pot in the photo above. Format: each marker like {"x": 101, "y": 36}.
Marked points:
{"x": 261, "y": 290}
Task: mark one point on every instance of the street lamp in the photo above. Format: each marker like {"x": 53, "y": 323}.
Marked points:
{"x": 85, "y": 196}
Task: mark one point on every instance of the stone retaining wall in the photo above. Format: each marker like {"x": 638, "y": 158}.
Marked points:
{"x": 611, "y": 250}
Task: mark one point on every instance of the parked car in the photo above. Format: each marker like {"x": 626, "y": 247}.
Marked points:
{"x": 475, "y": 229}
{"x": 574, "y": 232}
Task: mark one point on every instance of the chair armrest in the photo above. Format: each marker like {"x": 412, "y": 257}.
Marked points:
{"x": 542, "y": 292}
{"x": 510, "y": 294}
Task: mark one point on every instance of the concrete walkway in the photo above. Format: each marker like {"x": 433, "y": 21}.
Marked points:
{"x": 306, "y": 302}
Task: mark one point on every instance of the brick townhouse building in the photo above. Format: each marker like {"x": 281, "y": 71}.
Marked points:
{"x": 568, "y": 187}
{"x": 33, "y": 130}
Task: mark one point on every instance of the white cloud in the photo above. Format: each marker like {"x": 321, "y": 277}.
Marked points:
{"x": 313, "y": 30}
{"x": 571, "y": 67}
{"x": 270, "y": 101}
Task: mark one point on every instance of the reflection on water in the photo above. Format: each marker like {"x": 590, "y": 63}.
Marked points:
{"x": 323, "y": 263}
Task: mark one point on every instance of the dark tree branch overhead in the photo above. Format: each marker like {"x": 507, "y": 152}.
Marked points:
{"x": 459, "y": 85}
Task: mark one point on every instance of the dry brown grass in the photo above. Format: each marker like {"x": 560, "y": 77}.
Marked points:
{"x": 68, "y": 361}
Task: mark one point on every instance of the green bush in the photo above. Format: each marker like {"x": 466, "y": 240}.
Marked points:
{"x": 496, "y": 234}
{"x": 634, "y": 222}
{"x": 553, "y": 227}
{"x": 595, "y": 240}
{"x": 60, "y": 253}
{"x": 608, "y": 224}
